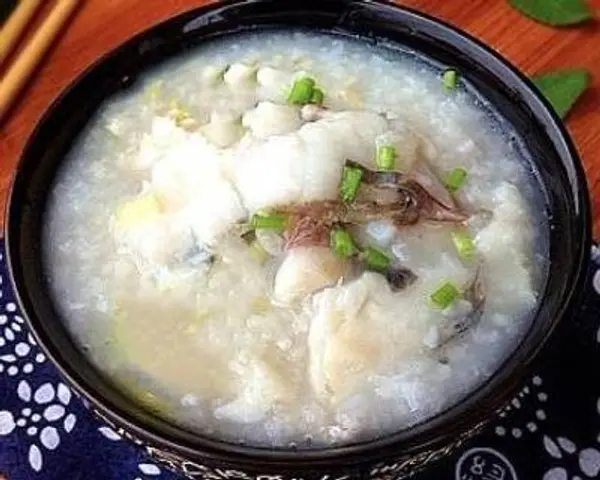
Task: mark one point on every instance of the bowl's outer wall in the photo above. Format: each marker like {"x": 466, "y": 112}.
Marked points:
{"x": 554, "y": 159}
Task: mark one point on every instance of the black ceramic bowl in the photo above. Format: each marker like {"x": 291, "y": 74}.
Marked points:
{"x": 555, "y": 161}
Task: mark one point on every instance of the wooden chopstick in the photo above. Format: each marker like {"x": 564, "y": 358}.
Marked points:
{"x": 17, "y": 75}
{"x": 15, "y": 26}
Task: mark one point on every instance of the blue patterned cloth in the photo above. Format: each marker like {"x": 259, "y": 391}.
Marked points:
{"x": 45, "y": 431}
{"x": 550, "y": 431}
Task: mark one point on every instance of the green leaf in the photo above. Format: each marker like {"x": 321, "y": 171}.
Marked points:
{"x": 555, "y": 12}
{"x": 563, "y": 87}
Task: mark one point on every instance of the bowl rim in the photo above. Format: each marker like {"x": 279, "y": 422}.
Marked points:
{"x": 426, "y": 434}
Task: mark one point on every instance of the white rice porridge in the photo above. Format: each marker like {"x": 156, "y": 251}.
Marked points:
{"x": 201, "y": 254}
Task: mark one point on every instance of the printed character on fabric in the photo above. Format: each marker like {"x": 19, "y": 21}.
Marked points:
{"x": 484, "y": 464}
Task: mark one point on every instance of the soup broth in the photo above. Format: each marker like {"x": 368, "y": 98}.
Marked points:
{"x": 297, "y": 239}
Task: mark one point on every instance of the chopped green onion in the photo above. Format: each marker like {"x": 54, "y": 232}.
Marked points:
{"x": 465, "y": 246}
{"x": 258, "y": 252}
{"x": 445, "y": 296}
{"x": 317, "y": 97}
{"x": 256, "y": 249}
{"x": 302, "y": 91}
{"x": 456, "y": 179}
{"x": 269, "y": 222}
{"x": 181, "y": 116}
{"x": 342, "y": 243}
{"x": 351, "y": 179}
{"x": 376, "y": 259}
{"x": 386, "y": 157}
{"x": 261, "y": 305}
{"x": 179, "y": 111}
{"x": 451, "y": 78}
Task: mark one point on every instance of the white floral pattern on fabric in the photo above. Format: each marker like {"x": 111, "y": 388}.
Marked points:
{"x": 596, "y": 258}
{"x": 148, "y": 469}
{"x": 534, "y": 397}
{"x": 43, "y": 417}
{"x": 557, "y": 473}
{"x": 17, "y": 347}
{"x": 110, "y": 434}
{"x": 589, "y": 462}
{"x": 596, "y": 282}
{"x": 18, "y": 350}
{"x": 596, "y": 254}
{"x": 588, "y": 458}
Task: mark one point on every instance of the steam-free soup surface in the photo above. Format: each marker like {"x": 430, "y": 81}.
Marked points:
{"x": 290, "y": 238}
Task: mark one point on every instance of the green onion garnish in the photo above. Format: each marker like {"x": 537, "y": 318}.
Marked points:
{"x": 451, "y": 78}
{"x": 386, "y": 157}
{"x": 445, "y": 296}
{"x": 376, "y": 259}
{"x": 269, "y": 222}
{"x": 258, "y": 252}
{"x": 179, "y": 111}
{"x": 342, "y": 243}
{"x": 317, "y": 97}
{"x": 302, "y": 91}
{"x": 465, "y": 246}
{"x": 351, "y": 179}
{"x": 256, "y": 249}
{"x": 456, "y": 179}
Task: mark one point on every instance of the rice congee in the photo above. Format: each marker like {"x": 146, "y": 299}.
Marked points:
{"x": 294, "y": 239}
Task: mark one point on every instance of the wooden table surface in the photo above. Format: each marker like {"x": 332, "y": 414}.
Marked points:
{"x": 103, "y": 24}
